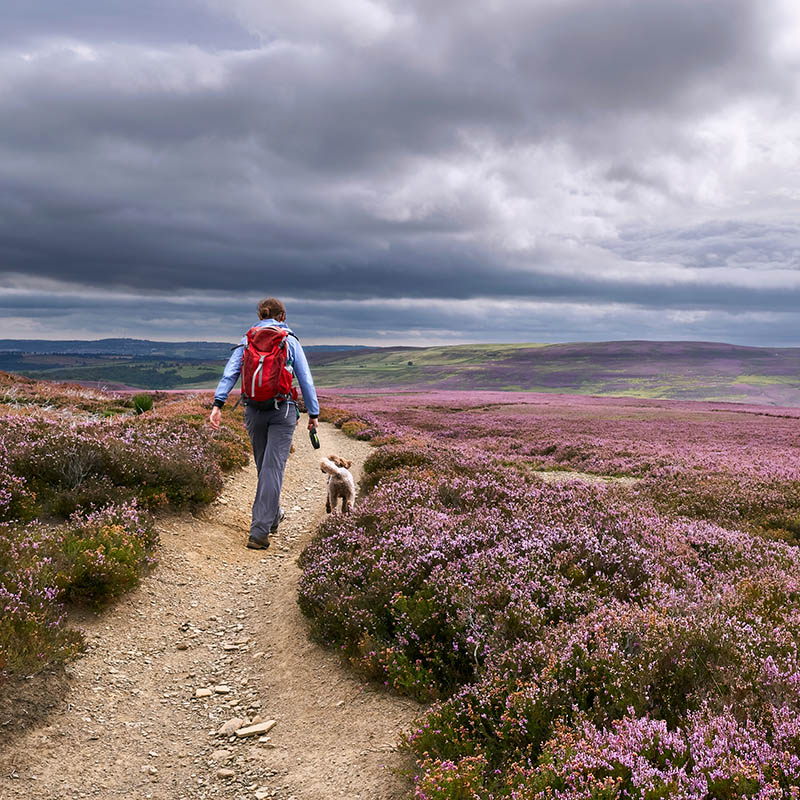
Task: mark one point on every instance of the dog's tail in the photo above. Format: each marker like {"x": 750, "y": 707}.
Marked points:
{"x": 332, "y": 469}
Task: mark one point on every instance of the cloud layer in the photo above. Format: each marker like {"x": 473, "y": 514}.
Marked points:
{"x": 556, "y": 171}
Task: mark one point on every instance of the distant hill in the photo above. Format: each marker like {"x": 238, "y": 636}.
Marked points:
{"x": 125, "y": 362}
{"x": 117, "y": 347}
{"x": 136, "y": 347}
{"x": 679, "y": 370}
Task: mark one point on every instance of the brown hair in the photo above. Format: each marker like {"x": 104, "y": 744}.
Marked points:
{"x": 270, "y": 308}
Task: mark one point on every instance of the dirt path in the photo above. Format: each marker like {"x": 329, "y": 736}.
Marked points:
{"x": 214, "y": 615}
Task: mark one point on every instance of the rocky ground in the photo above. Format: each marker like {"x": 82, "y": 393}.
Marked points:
{"x": 210, "y": 645}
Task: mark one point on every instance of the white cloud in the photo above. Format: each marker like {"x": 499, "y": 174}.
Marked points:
{"x": 356, "y": 22}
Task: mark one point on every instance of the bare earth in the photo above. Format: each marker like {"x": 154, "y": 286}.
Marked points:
{"x": 126, "y": 722}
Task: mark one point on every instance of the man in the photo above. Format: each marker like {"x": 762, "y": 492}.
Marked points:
{"x": 270, "y": 427}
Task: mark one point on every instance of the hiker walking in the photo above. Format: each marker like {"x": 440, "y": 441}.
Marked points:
{"x": 268, "y": 358}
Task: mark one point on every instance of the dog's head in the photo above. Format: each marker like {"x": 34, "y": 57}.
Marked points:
{"x": 340, "y": 462}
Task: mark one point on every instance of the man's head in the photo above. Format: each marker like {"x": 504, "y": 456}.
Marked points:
{"x": 271, "y": 308}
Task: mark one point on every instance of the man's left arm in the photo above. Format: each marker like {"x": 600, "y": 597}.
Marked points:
{"x": 229, "y": 377}
{"x": 306, "y": 382}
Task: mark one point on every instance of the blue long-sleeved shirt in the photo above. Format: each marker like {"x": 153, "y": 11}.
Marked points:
{"x": 299, "y": 364}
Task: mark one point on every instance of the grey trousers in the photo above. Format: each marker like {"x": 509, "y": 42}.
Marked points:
{"x": 271, "y": 433}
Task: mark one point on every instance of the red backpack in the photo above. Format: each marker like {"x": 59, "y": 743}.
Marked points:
{"x": 267, "y": 366}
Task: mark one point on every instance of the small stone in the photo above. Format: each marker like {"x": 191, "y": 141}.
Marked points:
{"x": 256, "y": 730}
{"x": 222, "y": 689}
{"x": 257, "y": 718}
{"x": 221, "y": 755}
{"x": 203, "y": 693}
{"x": 224, "y": 772}
{"x": 181, "y": 646}
{"x": 229, "y": 647}
{"x": 262, "y": 793}
{"x": 231, "y": 726}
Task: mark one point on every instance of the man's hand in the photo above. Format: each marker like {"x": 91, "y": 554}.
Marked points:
{"x": 216, "y": 415}
{"x": 312, "y": 423}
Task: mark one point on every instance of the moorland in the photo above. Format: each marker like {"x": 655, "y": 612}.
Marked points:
{"x": 592, "y": 597}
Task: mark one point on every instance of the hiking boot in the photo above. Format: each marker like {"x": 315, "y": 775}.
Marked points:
{"x": 281, "y": 518}
{"x": 255, "y": 544}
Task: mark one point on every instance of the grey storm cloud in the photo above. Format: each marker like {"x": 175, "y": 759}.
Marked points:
{"x": 146, "y": 21}
{"x": 607, "y": 154}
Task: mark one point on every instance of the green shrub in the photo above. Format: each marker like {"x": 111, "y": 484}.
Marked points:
{"x": 142, "y": 403}
{"x": 444, "y": 780}
{"x": 102, "y": 555}
{"x": 389, "y": 460}
{"x": 336, "y": 416}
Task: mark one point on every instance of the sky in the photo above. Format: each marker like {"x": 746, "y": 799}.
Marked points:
{"x": 401, "y": 171}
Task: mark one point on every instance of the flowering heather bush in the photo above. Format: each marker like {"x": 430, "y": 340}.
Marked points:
{"x": 32, "y": 632}
{"x": 93, "y": 558}
{"x": 229, "y": 446}
{"x": 712, "y": 755}
{"x": 17, "y": 501}
{"x": 17, "y": 391}
{"x": 168, "y": 456}
{"x": 578, "y": 640}
{"x": 89, "y": 463}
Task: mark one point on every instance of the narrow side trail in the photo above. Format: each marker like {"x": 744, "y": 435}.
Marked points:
{"x": 216, "y": 616}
